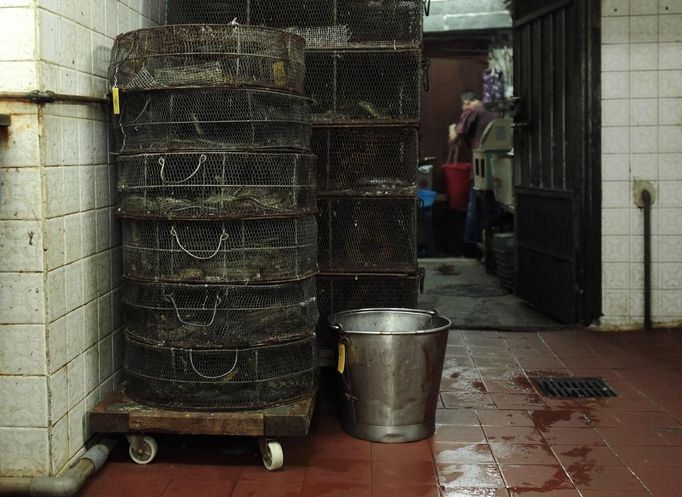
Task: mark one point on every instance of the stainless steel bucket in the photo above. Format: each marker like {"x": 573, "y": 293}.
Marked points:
{"x": 391, "y": 370}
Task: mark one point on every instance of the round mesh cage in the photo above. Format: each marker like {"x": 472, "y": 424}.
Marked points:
{"x": 208, "y": 55}
{"x": 237, "y": 379}
{"x": 261, "y": 250}
{"x": 214, "y": 185}
{"x": 364, "y": 86}
{"x": 368, "y": 234}
{"x": 217, "y": 316}
{"x": 345, "y": 292}
{"x": 362, "y": 160}
{"x": 377, "y": 22}
{"x": 212, "y": 119}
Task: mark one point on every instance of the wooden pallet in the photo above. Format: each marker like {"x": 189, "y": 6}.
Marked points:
{"x": 119, "y": 414}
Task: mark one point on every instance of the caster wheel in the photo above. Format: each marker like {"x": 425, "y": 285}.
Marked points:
{"x": 143, "y": 450}
{"x": 273, "y": 455}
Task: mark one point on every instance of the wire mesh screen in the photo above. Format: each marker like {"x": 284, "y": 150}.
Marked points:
{"x": 208, "y": 55}
{"x": 338, "y": 293}
{"x": 215, "y": 119}
{"x": 250, "y": 378}
{"x": 217, "y": 185}
{"x": 262, "y": 250}
{"x": 367, "y": 160}
{"x": 323, "y": 36}
{"x": 364, "y": 86}
{"x": 217, "y": 316}
{"x": 370, "y": 22}
{"x": 368, "y": 234}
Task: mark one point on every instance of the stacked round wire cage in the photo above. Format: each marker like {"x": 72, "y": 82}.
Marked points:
{"x": 217, "y": 188}
{"x": 364, "y": 74}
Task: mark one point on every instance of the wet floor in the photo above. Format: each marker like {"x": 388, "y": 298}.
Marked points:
{"x": 496, "y": 435}
{"x": 462, "y": 290}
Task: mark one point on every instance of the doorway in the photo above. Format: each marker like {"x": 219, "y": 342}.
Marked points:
{"x": 555, "y": 223}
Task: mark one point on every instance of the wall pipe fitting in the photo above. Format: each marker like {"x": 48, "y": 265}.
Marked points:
{"x": 646, "y": 202}
{"x": 67, "y": 484}
{"x": 49, "y": 97}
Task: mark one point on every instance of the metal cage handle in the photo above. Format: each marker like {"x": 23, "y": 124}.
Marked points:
{"x": 162, "y": 163}
{"x": 427, "y": 7}
{"x": 206, "y": 377}
{"x": 171, "y": 298}
{"x": 224, "y": 236}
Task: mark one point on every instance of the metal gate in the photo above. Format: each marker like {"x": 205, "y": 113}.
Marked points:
{"x": 556, "y": 51}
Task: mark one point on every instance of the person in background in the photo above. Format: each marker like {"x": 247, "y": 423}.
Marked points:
{"x": 465, "y": 137}
{"x": 467, "y": 133}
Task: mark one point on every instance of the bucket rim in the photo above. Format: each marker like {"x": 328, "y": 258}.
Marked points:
{"x": 339, "y": 329}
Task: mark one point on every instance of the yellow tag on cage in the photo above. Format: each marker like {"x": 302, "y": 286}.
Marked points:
{"x": 341, "y": 366}
{"x": 280, "y": 73}
{"x": 116, "y": 100}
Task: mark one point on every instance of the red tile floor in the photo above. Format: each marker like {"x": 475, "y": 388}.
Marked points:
{"x": 496, "y": 436}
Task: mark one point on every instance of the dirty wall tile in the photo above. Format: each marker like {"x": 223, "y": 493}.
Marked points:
{"x": 59, "y": 394}
{"x": 615, "y": 8}
{"x": 615, "y": 57}
{"x": 670, "y": 248}
{"x": 643, "y": 29}
{"x": 18, "y": 28}
{"x": 22, "y": 143}
{"x": 643, "y": 56}
{"x": 23, "y": 349}
{"x": 644, "y": 84}
{"x": 670, "y": 56}
{"x": 643, "y": 7}
{"x": 21, "y": 246}
{"x": 614, "y": 30}
{"x": 615, "y": 84}
{"x": 670, "y": 139}
{"x": 644, "y": 112}
{"x": 18, "y": 75}
{"x": 670, "y": 111}
{"x": 25, "y": 452}
{"x": 28, "y": 407}
{"x": 59, "y": 445}
{"x": 670, "y": 6}
{"x": 22, "y": 299}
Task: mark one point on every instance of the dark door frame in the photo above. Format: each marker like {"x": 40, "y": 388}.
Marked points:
{"x": 588, "y": 253}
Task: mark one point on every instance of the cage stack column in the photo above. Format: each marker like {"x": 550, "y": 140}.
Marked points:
{"x": 363, "y": 71}
{"x": 217, "y": 200}
{"x": 366, "y": 90}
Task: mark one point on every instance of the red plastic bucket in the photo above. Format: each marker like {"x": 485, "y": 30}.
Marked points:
{"x": 458, "y": 180}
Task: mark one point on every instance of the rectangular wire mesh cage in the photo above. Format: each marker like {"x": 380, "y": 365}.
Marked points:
{"x": 368, "y": 234}
{"x": 222, "y": 379}
{"x": 228, "y": 185}
{"x": 219, "y": 316}
{"x": 373, "y": 160}
{"x": 261, "y": 250}
{"x": 346, "y": 292}
{"x": 364, "y": 86}
{"x": 369, "y": 22}
{"x": 212, "y": 119}
{"x": 208, "y": 56}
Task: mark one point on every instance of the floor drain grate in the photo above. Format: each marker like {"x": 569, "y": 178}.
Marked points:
{"x": 575, "y": 387}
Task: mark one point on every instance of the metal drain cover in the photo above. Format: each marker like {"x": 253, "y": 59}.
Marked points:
{"x": 575, "y": 387}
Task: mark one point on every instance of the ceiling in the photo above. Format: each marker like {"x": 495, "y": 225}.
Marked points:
{"x": 466, "y": 15}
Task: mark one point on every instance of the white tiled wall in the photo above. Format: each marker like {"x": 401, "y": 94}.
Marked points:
{"x": 642, "y": 139}
{"x": 60, "y": 246}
